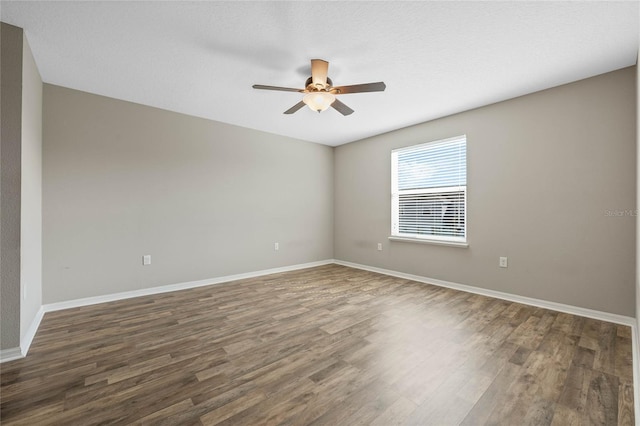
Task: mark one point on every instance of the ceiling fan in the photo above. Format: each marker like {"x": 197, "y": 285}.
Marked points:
{"x": 320, "y": 93}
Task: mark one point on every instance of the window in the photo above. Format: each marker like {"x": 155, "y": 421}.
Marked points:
{"x": 429, "y": 191}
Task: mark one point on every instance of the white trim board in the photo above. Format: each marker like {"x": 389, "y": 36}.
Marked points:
{"x": 10, "y": 354}
{"x": 554, "y": 306}
{"x": 76, "y": 303}
{"x": 25, "y": 342}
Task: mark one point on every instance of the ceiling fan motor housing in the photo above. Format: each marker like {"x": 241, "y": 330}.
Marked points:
{"x": 310, "y": 86}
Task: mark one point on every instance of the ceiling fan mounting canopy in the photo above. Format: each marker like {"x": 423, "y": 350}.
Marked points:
{"x": 320, "y": 93}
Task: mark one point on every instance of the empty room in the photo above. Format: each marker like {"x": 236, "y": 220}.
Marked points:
{"x": 319, "y": 212}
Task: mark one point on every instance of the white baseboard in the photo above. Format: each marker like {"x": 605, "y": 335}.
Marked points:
{"x": 50, "y": 307}
{"x": 25, "y": 342}
{"x": 554, "y": 306}
{"x": 10, "y": 354}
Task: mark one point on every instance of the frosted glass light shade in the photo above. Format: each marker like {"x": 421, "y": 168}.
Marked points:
{"x": 318, "y": 101}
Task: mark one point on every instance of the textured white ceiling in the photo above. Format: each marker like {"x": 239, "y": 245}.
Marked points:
{"x": 437, "y": 58}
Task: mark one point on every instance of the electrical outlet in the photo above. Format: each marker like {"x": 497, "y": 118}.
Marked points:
{"x": 146, "y": 260}
{"x": 503, "y": 262}
{"x": 379, "y": 246}
{"x": 276, "y": 246}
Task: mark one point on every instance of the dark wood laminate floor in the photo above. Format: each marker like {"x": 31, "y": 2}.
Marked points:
{"x": 330, "y": 346}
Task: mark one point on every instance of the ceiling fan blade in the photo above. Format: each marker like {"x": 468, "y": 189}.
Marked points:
{"x": 359, "y": 88}
{"x": 319, "y": 69}
{"x": 341, "y": 108}
{"x": 282, "y": 89}
{"x": 294, "y": 108}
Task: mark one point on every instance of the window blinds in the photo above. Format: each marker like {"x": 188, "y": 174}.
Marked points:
{"x": 429, "y": 190}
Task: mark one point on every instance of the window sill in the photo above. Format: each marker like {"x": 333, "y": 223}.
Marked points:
{"x": 432, "y": 242}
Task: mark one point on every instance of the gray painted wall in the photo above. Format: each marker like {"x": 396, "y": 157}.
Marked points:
{"x": 31, "y": 192}
{"x": 10, "y": 136}
{"x": 204, "y": 199}
{"x": 543, "y": 171}
{"x": 21, "y": 195}
{"x": 638, "y": 196}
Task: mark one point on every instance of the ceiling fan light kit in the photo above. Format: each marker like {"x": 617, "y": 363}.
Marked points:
{"x": 320, "y": 94}
{"x": 318, "y": 101}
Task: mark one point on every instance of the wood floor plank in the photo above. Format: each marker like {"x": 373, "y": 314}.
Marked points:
{"x": 540, "y": 413}
{"x": 625, "y": 404}
{"x": 576, "y": 389}
{"x": 396, "y": 414}
{"x": 564, "y": 416}
{"x": 236, "y": 406}
{"x": 279, "y": 406}
{"x": 602, "y": 399}
{"x": 493, "y": 396}
{"x": 361, "y": 407}
{"x": 324, "y": 345}
{"x": 178, "y": 407}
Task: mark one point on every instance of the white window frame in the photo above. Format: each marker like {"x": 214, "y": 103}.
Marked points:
{"x": 396, "y": 235}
